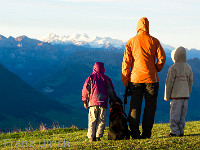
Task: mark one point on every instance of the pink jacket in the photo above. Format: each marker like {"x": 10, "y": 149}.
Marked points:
{"x": 98, "y": 87}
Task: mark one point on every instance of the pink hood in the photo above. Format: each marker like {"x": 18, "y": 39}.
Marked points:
{"x": 98, "y": 68}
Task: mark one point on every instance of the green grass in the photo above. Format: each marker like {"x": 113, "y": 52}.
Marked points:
{"x": 78, "y": 139}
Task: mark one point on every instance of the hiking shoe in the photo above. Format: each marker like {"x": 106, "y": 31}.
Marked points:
{"x": 98, "y": 139}
{"x": 181, "y": 135}
{"x": 135, "y": 136}
{"x": 171, "y": 135}
{"x": 91, "y": 139}
{"x": 144, "y": 136}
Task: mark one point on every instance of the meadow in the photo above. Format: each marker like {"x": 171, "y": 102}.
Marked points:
{"x": 74, "y": 138}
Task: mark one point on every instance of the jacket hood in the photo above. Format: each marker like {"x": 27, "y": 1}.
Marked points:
{"x": 98, "y": 68}
{"x": 179, "y": 55}
{"x": 143, "y": 25}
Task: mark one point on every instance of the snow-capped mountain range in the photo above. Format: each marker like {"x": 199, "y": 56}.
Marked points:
{"x": 90, "y": 41}
{"x": 84, "y": 40}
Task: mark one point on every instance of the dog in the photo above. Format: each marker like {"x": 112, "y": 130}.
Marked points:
{"x": 118, "y": 128}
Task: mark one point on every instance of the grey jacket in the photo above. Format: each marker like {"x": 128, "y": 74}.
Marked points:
{"x": 180, "y": 77}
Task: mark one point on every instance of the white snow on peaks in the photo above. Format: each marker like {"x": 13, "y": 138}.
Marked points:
{"x": 84, "y": 40}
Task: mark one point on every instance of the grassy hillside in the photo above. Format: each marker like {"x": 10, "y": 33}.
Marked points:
{"x": 76, "y": 138}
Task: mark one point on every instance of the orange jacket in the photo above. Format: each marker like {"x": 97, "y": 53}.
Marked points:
{"x": 140, "y": 56}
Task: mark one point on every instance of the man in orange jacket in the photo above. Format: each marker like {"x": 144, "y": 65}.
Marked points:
{"x": 140, "y": 73}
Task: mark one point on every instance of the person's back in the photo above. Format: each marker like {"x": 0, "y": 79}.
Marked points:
{"x": 180, "y": 78}
{"x": 96, "y": 90}
{"x": 140, "y": 73}
{"x": 178, "y": 87}
{"x": 99, "y": 86}
{"x": 143, "y": 49}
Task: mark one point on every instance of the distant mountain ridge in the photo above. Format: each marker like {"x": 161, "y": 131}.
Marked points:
{"x": 28, "y": 57}
{"x": 20, "y": 41}
{"x": 59, "y": 70}
{"x": 32, "y": 59}
{"x": 84, "y": 40}
{"x": 90, "y": 41}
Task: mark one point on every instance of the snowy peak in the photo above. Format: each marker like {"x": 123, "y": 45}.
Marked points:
{"x": 91, "y": 41}
{"x": 84, "y": 40}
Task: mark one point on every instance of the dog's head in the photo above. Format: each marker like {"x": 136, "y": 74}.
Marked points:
{"x": 116, "y": 108}
{"x": 117, "y": 101}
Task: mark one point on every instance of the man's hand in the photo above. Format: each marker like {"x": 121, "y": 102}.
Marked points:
{"x": 85, "y": 105}
{"x": 167, "y": 99}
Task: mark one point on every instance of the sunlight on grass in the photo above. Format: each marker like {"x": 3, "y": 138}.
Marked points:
{"x": 60, "y": 138}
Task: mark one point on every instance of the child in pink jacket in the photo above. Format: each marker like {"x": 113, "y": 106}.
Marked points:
{"x": 95, "y": 93}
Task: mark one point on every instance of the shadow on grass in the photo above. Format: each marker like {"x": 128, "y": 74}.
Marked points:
{"x": 193, "y": 135}
{"x": 166, "y": 136}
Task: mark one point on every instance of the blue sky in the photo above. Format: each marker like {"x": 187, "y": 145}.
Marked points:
{"x": 173, "y": 22}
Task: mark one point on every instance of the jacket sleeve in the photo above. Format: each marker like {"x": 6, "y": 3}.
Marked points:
{"x": 161, "y": 57}
{"x": 126, "y": 64}
{"x": 86, "y": 90}
{"x": 169, "y": 83}
{"x": 190, "y": 81}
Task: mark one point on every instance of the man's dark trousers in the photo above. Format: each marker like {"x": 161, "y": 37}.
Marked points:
{"x": 150, "y": 93}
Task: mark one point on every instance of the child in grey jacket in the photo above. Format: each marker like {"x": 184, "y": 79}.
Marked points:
{"x": 178, "y": 88}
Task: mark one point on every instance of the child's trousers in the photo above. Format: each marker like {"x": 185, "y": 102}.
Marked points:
{"x": 178, "y": 111}
{"x": 97, "y": 121}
